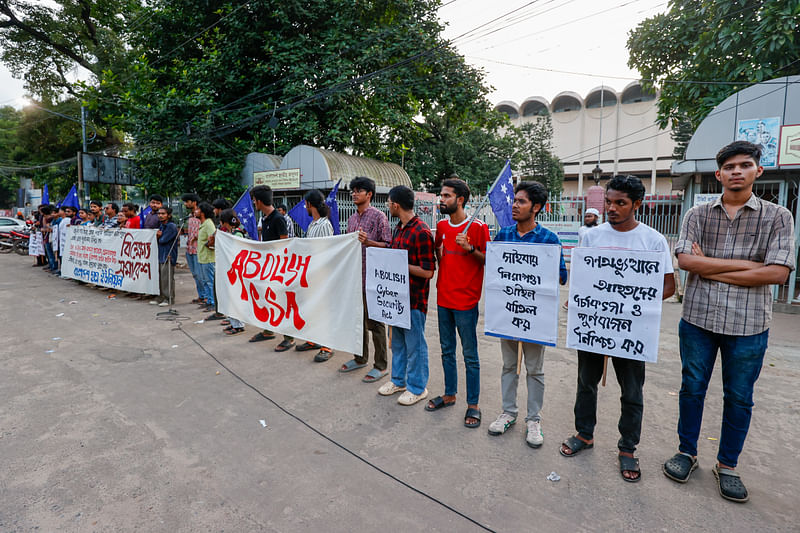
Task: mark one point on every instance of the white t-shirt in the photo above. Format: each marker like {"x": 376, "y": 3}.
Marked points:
{"x": 582, "y": 231}
{"x": 642, "y": 237}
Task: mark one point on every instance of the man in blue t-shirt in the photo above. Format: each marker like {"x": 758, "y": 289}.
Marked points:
{"x": 529, "y": 199}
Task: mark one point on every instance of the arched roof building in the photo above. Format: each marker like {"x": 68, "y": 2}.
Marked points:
{"x": 625, "y": 128}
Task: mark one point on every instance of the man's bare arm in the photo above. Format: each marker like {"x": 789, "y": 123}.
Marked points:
{"x": 669, "y": 286}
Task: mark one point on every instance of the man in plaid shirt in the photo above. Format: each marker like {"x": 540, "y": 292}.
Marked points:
{"x": 733, "y": 248}
{"x": 409, "y": 349}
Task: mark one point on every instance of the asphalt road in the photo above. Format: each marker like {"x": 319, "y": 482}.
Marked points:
{"x": 112, "y": 420}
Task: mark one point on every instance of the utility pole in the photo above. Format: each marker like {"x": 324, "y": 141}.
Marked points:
{"x": 83, "y": 138}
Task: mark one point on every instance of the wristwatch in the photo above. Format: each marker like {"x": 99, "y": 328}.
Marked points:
{"x": 472, "y": 250}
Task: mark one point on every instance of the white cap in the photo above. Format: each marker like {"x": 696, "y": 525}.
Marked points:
{"x": 593, "y": 211}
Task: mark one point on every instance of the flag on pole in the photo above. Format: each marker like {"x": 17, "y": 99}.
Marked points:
{"x": 501, "y": 196}
{"x": 300, "y": 215}
{"x": 45, "y": 195}
{"x": 333, "y": 216}
{"x": 244, "y": 210}
{"x": 143, "y": 215}
{"x": 71, "y": 199}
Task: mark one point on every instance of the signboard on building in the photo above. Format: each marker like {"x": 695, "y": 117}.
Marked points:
{"x": 278, "y": 179}
{"x": 763, "y": 132}
{"x": 705, "y": 198}
{"x": 567, "y": 233}
{"x": 789, "y": 146}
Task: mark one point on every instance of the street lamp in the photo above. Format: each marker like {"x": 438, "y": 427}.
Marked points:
{"x": 597, "y": 172}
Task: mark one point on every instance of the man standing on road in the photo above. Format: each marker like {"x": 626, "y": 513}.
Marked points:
{"x": 624, "y": 195}
{"x": 131, "y": 220}
{"x": 288, "y": 219}
{"x": 111, "y": 211}
{"x": 273, "y": 228}
{"x": 373, "y": 230}
{"x": 96, "y": 207}
{"x": 734, "y": 248}
{"x": 461, "y": 254}
{"x": 167, "y": 257}
{"x": 190, "y": 201}
{"x": 409, "y": 348}
{"x": 151, "y": 220}
{"x": 530, "y": 198}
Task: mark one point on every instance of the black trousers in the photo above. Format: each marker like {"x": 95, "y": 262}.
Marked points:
{"x": 630, "y": 376}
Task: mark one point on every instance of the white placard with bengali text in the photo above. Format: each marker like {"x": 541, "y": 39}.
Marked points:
{"x": 125, "y": 259}
{"x": 307, "y": 288}
{"x": 615, "y": 302}
{"x": 521, "y": 286}
{"x": 35, "y": 244}
{"x": 387, "y": 287}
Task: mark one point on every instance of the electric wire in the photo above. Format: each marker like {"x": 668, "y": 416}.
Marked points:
{"x": 330, "y": 439}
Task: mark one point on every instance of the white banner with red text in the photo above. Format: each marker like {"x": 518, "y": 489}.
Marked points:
{"x": 122, "y": 259}
{"x": 306, "y": 288}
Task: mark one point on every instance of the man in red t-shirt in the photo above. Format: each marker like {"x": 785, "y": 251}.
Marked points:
{"x": 461, "y": 257}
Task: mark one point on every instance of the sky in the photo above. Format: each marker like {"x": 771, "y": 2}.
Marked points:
{"x": 542, "y": 48}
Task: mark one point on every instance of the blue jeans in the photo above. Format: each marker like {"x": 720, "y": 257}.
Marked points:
{"x": 207, "y": 270}
{"x": 194, "y": 267}
{"x": 410, "y": 355}
{"x": 742, "y": 357}
{"x": 466, "y": 322}
{"x": 51, "y": 258}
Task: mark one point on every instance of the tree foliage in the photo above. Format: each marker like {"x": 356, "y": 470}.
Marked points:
{"x": 535, "y": 158}
{"x": 697, "y": 47}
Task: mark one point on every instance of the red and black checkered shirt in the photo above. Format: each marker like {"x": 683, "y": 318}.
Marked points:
{"x": 416, "y": 237}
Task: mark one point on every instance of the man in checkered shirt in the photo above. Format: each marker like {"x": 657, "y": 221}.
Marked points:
{"x": 733, "y": 248}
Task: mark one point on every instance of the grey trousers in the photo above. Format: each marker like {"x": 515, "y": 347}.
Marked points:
{"x": 533, "y": 357}
{"x": 166, "y": 281}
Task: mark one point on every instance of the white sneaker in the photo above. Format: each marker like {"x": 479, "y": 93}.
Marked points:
{"x": 535, "y": 437}
{"x": 503, "y": 422}
{"x": 389, "y": 388}
{"x": 409, "y": 398}
{"x": 164, "y": 304}
{"x": 153, "y": 302}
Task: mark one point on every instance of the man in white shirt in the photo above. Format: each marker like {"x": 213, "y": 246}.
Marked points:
{"x": 624, "y": 195}
{"x": 590, "y": 220}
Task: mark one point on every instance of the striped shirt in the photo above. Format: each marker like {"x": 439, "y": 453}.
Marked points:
{"x": 762, "y": 232}
{"x": 320, "y": 228}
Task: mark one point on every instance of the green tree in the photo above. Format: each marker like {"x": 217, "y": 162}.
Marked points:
{"x": 534, "y": 157}
{"x": 367, "y": 78}
{"x": 699, "y": 52}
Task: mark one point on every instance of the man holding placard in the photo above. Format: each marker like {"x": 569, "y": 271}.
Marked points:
{"x": 734, "y": 248}
{"x": 409, "y": 348}
{"x": 624, "y": 195}
{"x": 529, "y": 199}
{"x": 460, "y": 249}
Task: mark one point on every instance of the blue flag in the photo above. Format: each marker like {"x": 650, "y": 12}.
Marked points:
{"x": 300, "y": 215}
{"x": 143, "y": 215}
{"x": 46, "y": 196}
{"x": 244, "y": 210}
{"x": 71, "y": 199}
{"x": 501, "y": 196}
{"x": 333, "y": 216}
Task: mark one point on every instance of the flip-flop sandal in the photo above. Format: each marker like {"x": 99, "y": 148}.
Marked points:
{"x": 284, "y": 345}
{"x": 680, "y": 466}
{"x": 374, "y": 375}
{"x": 233, "y": 331}
{"x": 306, "y": 346}
{"x": 575, "y": 446}
{"x": 730, "y": 484}
{"x": 629, "y": 464}
{"x": 351, "y": 365}
{"x": 215, "y": 316}
{"x": 261, "y": 336}
{"x": 472, "y": 413}
{"x": 438, "y": 403}
{"x": 225, "y": 322}
{"x": 323, "y": 355}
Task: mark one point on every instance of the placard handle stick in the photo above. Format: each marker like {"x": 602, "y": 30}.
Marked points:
{"x": 486, "y": 199}
{"x": 519, "y": 356}
{"x": 605, "y": 369}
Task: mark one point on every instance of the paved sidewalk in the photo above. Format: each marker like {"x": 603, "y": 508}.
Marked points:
{"x": 125, "y": 424}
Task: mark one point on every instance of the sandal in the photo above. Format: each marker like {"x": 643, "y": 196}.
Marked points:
{"x": 233, "y": 331}
{"x": 225, "y": 322}
{"x": 629, "y": 464}
{"x": 306, "y": 346}
{"x": 261, "y": 336}
{"x": 438, "y": 403}
{"x": 374, "y": 375}
{"x": 284, "y": 345}
{"x": 351, "y": 365}
{"x": 730, "y": 484}
{"x": 472, "y": 413}
{"x": 215, "y": 316}
{"x": 323, "y": 355}
{"x": 680, "y": 466}
{"x": 574, "y": 445}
